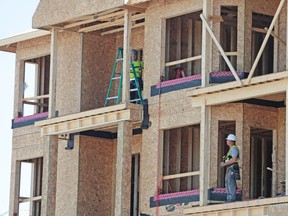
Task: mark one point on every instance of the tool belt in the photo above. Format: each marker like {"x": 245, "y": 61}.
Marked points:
{"x": 235, "y": 171}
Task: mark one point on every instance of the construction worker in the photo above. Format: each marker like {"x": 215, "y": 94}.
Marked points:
{"x": 138, "y": 67}
{"x": 230, "y": 161}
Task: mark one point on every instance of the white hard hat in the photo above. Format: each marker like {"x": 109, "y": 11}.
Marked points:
{"x": 231, "y": 137}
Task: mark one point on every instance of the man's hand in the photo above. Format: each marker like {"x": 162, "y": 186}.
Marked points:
{"x": 222, "y": 164}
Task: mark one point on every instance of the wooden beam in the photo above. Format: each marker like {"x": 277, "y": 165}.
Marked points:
{"x": 91, "y": 122}
{"x": 181, "y": 175}
{"x": 243, "y": 93}
{"x": 53, "y": 73}
{"x": 85, "y": 114}
{"x": 221, "y": 50}
{"x": 231, "y": 85}
{"x": 190, "y": 59}
{"x": 95, "y": 18}
{"x": 137, "y": 25}
{"x": 236, "y": 205}
{"x": 126, "y": 57}
{"x": 286, "y": 145}
{"x": 134, "y": 8}
{"x": 111, "y": 23}
{"x": 123, "y": 170}
{"x": 259, "y": 54}
{"x": 204, "y": 154}
{"x": 29, "y": 199}
{"x": 36, "y": 97}
{"x": 215, "y": 18}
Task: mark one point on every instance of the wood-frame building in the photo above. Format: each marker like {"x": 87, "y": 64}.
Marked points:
{"x": 87, "y": 159}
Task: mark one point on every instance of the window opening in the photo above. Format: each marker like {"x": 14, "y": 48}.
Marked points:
{"x": 266, "y": 62}
{"x": 181, "y": 156}
{"x": 228, "y": 36}
{"x": 183, "y": 46}
{"x": 30, "y": 187}
{"x": 261, "y": 158}
{"x": 35, "y": 86}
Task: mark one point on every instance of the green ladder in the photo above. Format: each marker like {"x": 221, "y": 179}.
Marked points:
{"x": 118, "y": 76}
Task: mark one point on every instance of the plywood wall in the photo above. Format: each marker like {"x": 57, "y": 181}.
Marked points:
{"x": 97, "y": 163}
{"x": 98, "y": 59}
{"x": 68, "y": 83}
{"x": 67, "y": 179}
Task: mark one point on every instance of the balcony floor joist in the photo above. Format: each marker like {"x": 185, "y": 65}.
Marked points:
{"x": 230, "y": 92}
{"x": 92, "y": 120}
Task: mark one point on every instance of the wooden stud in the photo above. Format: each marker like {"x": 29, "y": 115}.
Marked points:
{"x": 190, "y": 46}
{"x": 204, "y": 157}
{"x": 166, "y": 158}
{"x": 286, "y": 146}
{"x": 264, "y": 42}
{"x": 274, "y": 163}
{"x": 126, "y": 57}
{"x": 190, "y": 156}
{"x": 181, "y": 175}
{"x": 204, "y": 68}
{"x": 178, "y": 157}
{"x": 220, "y": 50}
{"x": 137, "y": 25}
{"x": 181, "y": 61}
{"x": 123, "y": 170}
{"x": 53, "y": 73}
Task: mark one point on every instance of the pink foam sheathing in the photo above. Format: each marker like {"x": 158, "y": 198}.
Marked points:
{"x": 176, "y": 195}
{"x": 190, "y": 193}
{"x": 223, "y": 73}
{"x": 31, "y": 117}
{"x": 179, "y": 81}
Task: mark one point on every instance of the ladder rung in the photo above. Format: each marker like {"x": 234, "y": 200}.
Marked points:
{"x": 132, "y": 90}
{"x": 120, "y": 59}
{"x": 132, "y": 79}
{"x": 115, "y": 78}
{"x": 114, "y": 97}
{"x": 134, "y": 100}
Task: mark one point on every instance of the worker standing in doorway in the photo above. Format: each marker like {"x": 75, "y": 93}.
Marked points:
{"x": 138, "y": 66}
{"x": 232, "y": 171}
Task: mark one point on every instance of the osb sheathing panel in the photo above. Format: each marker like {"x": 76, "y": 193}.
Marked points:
{"x": 137, "y": 39}
{"x": 155, "y": 15}
{"x": 282, "y": 32}
{"x": 28, "y": 140}
{"x": 258, "y": 6}
{"x": 68, "y": 83}
{"x": 98, "y": 58}
{"x": 26, "y": 50}
{"x": 137, "y": 144}
{"x": 50, "y": 150}
{"x": 258, "y": 117}
{"x": 153, "y": 68}
{"x": 51, "y": 12}
{"x": 67, "y": 179}
{"x": 240, "y": 33}
{"x": 281, "y": 150}
{"x": 227, "y": 112}
{"x": 97, "y": 162}
{"x": 278, "y": 209}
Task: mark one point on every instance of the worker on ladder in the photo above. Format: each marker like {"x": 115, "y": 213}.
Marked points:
{"x": 138, "y": 67}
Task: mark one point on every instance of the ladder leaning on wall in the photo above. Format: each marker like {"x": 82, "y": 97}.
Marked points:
{"x": 117, "y": 76}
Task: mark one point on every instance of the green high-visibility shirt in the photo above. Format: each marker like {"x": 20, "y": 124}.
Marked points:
{"x": 138, "y": 66}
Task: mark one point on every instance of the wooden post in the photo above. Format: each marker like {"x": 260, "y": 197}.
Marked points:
{"x": 265, "y": 42}
{"x": 53, "y": 73}
{"x": 204, "y": 60}
{"x": 123, "y": 169}
{"x": 204, "y": 154}
{"x": 274, "y": 164}
{"x": 126, "y": 57}
{"x": 286, "y": 146}
{"x": 190, "y": 156}
{"x": 178, "y": 157}
{"x": 220, "y": 50}
{"x": 166, "y": 145}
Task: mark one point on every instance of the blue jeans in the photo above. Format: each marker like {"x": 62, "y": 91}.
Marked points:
{"x": 230, "y": 184}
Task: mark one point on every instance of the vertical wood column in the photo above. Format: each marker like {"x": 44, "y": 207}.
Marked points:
{"x": 123, "y": 169}
{"x": 286, "y": 131}
{"x": 204, "y": 154}
{"x": 53, "y": 73}
{"x": 49, "y": 177}
{"x": 126, "y": 57}
{"x": 206, "y": 48}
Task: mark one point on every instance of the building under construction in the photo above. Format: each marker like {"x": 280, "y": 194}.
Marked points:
{"x": 89, "y": 155}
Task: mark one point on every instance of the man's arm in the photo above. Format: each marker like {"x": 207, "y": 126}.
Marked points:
{"x": 233, "y": 160}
